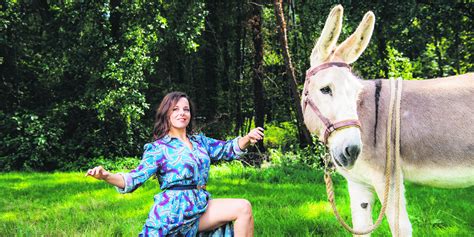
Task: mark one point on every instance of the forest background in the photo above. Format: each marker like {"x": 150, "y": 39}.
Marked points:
{"x": 80, "y": 80}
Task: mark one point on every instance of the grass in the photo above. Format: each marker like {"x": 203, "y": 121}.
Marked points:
{"x": 287, "y": 201}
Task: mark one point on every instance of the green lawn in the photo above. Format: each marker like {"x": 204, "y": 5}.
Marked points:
{"x": 288, "y": 201}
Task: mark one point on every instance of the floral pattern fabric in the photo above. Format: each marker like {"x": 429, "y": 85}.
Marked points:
{"x": 177, "y": 212}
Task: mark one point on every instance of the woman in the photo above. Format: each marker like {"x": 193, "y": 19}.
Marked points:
{"x": 181, "y": 162}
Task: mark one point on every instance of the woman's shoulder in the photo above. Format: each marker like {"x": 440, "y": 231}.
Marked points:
{"x": 164, "y": 143}
{"x": 199, "y": 137}
{"x": 152, "y": 146}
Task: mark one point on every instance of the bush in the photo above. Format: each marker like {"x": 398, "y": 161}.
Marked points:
{"x": 117, "y": 164}
{"x": 281, "y": 135}
{"x": 30, "y": 142}
{"x": 112, "y": 164}
{"x": 310, "y": 156}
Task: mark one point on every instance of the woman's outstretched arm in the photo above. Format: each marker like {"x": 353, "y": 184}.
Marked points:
{"x": 100, "y": 173}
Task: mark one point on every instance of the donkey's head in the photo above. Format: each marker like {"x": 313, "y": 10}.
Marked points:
{"x": 331, "y": 91}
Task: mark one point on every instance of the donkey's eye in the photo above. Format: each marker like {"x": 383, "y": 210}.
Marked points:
{"x": 326, "y": 90}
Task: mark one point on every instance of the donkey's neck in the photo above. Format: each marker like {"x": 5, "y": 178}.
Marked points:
{"x": 436, "y": 124}
{"x": 371, "y": 108}
{"x": 373, "y": 112}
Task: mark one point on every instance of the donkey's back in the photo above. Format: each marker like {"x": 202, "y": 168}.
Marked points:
{"x": 437, "y": 131}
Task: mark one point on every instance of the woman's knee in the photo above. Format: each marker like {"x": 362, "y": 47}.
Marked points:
{"x": 245, "y": 207}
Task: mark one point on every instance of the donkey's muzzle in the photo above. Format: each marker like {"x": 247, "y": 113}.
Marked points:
{"x": 349, "y": 155}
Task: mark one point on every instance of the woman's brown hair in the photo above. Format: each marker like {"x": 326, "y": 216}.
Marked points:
{"x": 162, "y": 123}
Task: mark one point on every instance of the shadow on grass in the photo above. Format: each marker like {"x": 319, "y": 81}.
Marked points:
{"x": 287, "y": 201}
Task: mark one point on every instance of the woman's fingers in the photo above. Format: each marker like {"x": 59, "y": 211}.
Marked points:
{"x": 90, "y": 171}
{"x": 257, "y": 137}
{"x": 256, "y": 133}
{"x": 96, "y": 172}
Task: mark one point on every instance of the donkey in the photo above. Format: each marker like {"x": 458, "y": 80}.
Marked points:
{"x": 437, "y": 124}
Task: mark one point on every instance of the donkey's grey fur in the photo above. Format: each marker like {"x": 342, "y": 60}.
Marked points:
{"x": 437, "y": 126}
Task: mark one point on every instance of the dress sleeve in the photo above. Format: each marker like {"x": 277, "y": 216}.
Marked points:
{"x": 217, "y": 149}
{"x": 149, "y": 165}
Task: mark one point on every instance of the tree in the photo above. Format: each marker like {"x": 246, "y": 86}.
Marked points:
{"x": 304, "y": 135}
{"x": 258, "y": 91}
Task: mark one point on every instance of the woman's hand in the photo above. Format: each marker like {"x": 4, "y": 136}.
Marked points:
{"x": 98, "y": 172}
{"x": 252, "y": 137}
{"x": 255, "y": 135}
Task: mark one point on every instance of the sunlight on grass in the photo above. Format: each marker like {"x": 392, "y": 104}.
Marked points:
{"x": 100, "y": 193}
{"x": 135, "y": 213}
{"x": 286, "y": 201}
{"x": 60, "y": 178}
{"x": 8, "y": 216}
{"x": 20, "y": 186}
{"x": 448, "y": 231}
{"x": 312, "y": 210}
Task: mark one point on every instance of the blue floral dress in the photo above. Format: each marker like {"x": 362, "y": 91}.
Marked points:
{"x": 177, "y": 212}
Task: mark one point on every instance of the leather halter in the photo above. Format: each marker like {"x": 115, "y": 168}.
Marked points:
{"x": 330, "y": 127}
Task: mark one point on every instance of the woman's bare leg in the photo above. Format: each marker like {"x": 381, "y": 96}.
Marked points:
{"x": 221, "y": 211}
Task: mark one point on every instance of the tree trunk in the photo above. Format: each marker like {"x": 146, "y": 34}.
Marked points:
{"x": 382, "y": 47}
{"x": 293, "y": 20}
{"x": 207, "y": 96}
{"x": 115, "y": 16}
{"x": 257, "y": 38}
{"x": 239, "y": 52}
{"x": 304, "y": 135}
{"x": 381, "y": 44}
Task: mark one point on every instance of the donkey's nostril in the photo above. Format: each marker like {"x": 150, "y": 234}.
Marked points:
{"x": 352, "y": 151}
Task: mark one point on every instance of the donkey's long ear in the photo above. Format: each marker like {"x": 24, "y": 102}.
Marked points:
{"x": 327, "y": 41}
{"x": 350, "y": 50}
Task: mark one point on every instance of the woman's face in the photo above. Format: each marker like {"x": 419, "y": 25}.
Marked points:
{"x": 180, "y": 114}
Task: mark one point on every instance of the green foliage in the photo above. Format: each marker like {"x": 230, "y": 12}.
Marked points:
{"x": 398, "y": 65}
{"x": 109, "y": 163}
{"x": 123, "y": 163}
{"x": 81, "y": 79}
{"x": 33, "y": 143}
{"x": 283, "y": 147}
{"x": 429, "y": 62}
{"x": 310, "y": 156}
{"x": 281, "y": 135}
{"x": 77, "y": 75}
